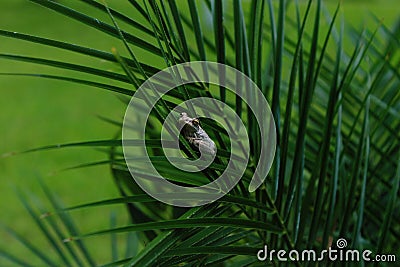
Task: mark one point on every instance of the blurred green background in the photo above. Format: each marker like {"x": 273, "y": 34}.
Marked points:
{"x": 35, "y": 112}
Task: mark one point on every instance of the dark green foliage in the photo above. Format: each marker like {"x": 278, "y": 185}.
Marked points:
{"x": 337, "y": 111}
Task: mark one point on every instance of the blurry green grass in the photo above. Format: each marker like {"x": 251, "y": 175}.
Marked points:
{"x": 36, "y": 112}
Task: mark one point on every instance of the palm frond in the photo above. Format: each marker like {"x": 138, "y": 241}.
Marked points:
{"x": 336, "y": 107}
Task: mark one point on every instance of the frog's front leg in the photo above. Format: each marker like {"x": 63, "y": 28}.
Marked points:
{"x": 207, "y": 146}
{"x": 194, "y": 141}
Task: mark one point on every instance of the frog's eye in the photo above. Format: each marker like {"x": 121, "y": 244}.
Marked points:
{"x": 195, "y": 122}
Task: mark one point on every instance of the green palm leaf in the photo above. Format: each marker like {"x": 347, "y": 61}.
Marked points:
{"x": 336, "y": 110}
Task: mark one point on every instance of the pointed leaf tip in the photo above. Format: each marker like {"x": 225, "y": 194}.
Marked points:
{"x": 8, "y": 154}
{"x": 69, "y": 239}
{"x": 53, "y": 173}
{"x": 45, "y": 215}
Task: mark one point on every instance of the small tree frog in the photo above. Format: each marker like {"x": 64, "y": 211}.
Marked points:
{"x": 196, "y": 135}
